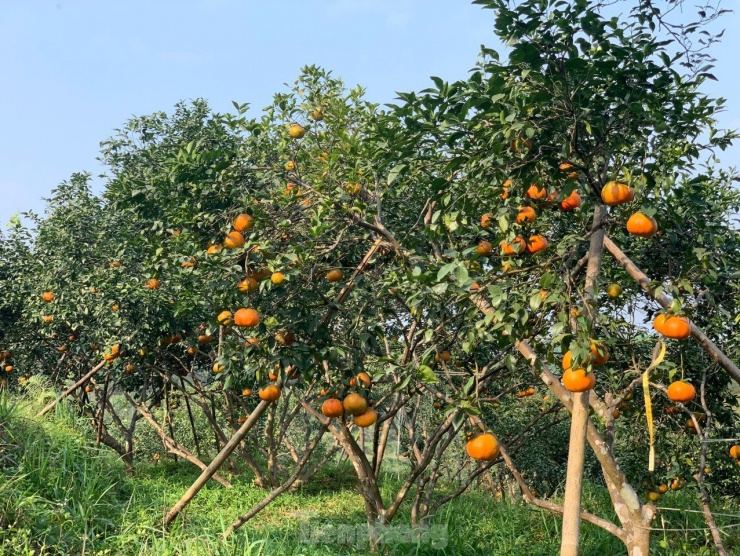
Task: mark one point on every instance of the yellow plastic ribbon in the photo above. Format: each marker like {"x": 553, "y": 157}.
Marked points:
{"x": 657, "y": 360}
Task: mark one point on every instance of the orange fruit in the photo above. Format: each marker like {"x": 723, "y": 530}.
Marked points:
{"x": 152, "y": 284}
{"x": 486, "y": 221}
{"x": 681, "y": 391}
{"x": 354, "y": 404}
{"x": 47, "y": 319}
{"x": 234, "y": 240}
{"x": 735, "y": 452}
{"x": 249, "y": 285}
{"x": 296, "y": 131}
{"x": 614, "y": 290}
{"x": 332, "y": 408}
{"x": 277, "y": 278}
{"x": 205, "y": 339}
{"x": 269, "y": 393}
{"x": 484, "y": 248}
{"x": 577, "y": 380}
{"x": 289, "y": 166}
{"x": 516, "y": 247}
{"x": 642, "y": 225}
{"x": 243, "y": 222}
{"x": 653, "y": 496}
{"x": 317, "y": 114}
{"x": 506, "y": 185}
{"x": 362, "y": 377}
{"x": 246, "y": 392}
{"x": 483, "y": 447}
{"x": 526, "y": 215}
{"x": 218, "y": 367}
{"x": 367, "y": 418}
{"x": 334, "y": 275}
{"x": 663, "y": 489}
{"x": 615, "y": 193}
{"x": 536, "y": 244}
{"x": 571, "y": 202}
{"x": 672, "y": 326}
{"x": 48, "y": 296}
{"x": 224, "y": 318}
{"x": 213, "y": 249}
{"x": 535, "y": 192}
{"x": 246, "y": 317}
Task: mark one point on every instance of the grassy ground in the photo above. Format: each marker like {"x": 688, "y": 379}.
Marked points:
{"x": 60, "y": 496}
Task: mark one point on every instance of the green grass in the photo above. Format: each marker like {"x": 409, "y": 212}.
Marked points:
{"x": 60, "y": 496}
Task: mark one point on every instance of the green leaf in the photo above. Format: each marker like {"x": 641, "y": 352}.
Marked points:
{"x": 425, "y": 374}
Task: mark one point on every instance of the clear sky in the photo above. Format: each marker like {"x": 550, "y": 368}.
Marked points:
{"x": 71, "y": 71}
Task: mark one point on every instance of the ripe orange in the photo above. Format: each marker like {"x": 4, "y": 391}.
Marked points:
{"x": 735, "y": 452}
{"x": 486, "y": 221}
{"x": 213, "y": 249}
{"x": 332, "y": 408}
{"x": 354, "y": 404}
{"x": 8, "y": 368}
{"x": 115, "y": 264}
{"x": 615, "y": 193}
{"x": 362, "y": 377}
{"x": 663, "y": 488}
{"x": 681, "y": 391}
{"x": 653, "y": 496}
{"x": 217, "y": 367}
{"x": 317, "y": 114}
{"x": 269, "y": 393}
{"x": 296, "y": 131}
{"x": 246, "y": 317}
{"x": 246, "y": 392}
{"x": 577, "y": 380}
{"x": 443, "y": 356}
{"x": 205, "y": 338}
{"x": 289, "y": 166}
{"x": 252, "y": 342}
{"x": 224, "y": 318}
{"x": 234, "y": 240}
{"x": 639, "y": 224}
{"x": 48, "y": 296}
{"x": 334, "y": 275}
{"x": 152, "y": 284}
{"x": 526, "y": 215}
{"x": 483, "y": 447}
{"x": 188, "y": 264}
{"x": 192, "y": 350}
{"x": 366, "y": 418}
{"x": 672, "y": 326}
{"x": 484, "y": 248}
{"x": 535, "y": 192}
{"x": 516, "y": 247}
{"x": 277, "y": 278}
{"x": 506, "y": 185}
{"x": 243, "y": 222}
{"x": 536, "y": 244}
{"x": 677, "y": 483}
{"x": 571, "y": 202}
{"x": 249, "y": 285}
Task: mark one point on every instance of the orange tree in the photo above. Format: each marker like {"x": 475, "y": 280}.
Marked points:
{"x": 587, "y": 112}
{"x": 290, "y": 253}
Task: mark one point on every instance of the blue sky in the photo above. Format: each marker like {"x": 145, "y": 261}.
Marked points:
{"x": 74, "y": 70}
